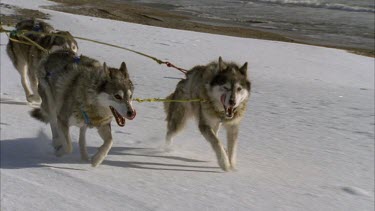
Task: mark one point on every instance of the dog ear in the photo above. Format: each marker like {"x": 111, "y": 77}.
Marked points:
{"x": 222, "y": 66}
{"x": 105, "y": 73}
{"x": 46, "y": 41}
{"x": 124, "y": 70}
{"x": 243, "y": 69}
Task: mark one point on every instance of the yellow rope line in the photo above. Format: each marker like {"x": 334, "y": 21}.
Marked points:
{"x": 19, "y": 41}
{"x": 30, "y": 42}
{"x": 116, "y": 46}
{"x": 139, "y": 100}
{"x": 150, "y": 100}
{"x": 34, "y": 43}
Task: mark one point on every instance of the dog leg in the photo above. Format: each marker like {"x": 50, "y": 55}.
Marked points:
{"x": 34, "y": 87}
{"x": 216, "y": 128}
{"x": 232, "y": 135}
{"x": 63, "y": 129}
{"x": 105, "y": 133}
{"x": 49, "y": 107}
{"x": 52, "y": 119}
{"x": 57, "y": 143}
{"x": 22, "y": 67}
{"x": 82, "y": 143}
{"x": 210, "y": 136}
{"x": 176, "y": 119}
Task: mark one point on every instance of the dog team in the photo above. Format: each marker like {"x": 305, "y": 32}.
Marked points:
{"x": 66, "y": 89}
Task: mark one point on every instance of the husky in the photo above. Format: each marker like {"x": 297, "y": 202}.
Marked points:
{"x": 79, "y": 91}
{"x": 26, "y": 58}
{"x": 226, "y": 89}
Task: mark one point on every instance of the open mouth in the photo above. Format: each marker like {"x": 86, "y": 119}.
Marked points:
{"x": 229, "y": 111}
{"x": 119, "y": 119}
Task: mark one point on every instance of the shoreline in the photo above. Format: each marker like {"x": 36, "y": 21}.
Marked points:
{"x": 143, "y": 14}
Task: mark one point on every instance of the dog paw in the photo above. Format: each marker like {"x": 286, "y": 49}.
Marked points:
{"x": 222, "y": 159}
{"x": 225, "y": 167}
{"x": 96, "y": 160}
{"x": 34, "y": 99}
{"x": 224, "y": 163}
{"x": 59, "y": 150}
{"x": 233, "y": 168}
{"x": 166, "y": 148}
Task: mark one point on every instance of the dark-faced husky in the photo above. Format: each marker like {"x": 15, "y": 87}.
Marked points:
{"x": 80, "y": 91}
{"x": 226, "y": 89}
{"x": 26, "y": 57}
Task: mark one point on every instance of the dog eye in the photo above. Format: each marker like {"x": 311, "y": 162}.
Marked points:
{"x": 118, "y": 97}
{"x": 226, "y": 88}
{"x": 239, "y": 89}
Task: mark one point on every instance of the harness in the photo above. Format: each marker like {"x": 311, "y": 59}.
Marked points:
{"x": 76, "y": 60}
{"x": 85, "y": 117}
{"x": 90, "y": 118}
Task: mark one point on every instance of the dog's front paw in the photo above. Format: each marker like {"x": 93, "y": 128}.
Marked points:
{"x": 96, "y": 160}
{"x": 224, "y": 163}
{"x": 233, "y": 168}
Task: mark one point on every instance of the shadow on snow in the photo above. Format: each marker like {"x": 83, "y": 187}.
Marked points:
{"x": 37, "y": 153}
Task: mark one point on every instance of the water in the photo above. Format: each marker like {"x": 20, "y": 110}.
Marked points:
{"x": 337, "y": 22}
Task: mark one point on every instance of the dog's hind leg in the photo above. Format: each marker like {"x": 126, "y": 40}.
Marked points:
{"x": 176, "y": 119}
{"x": 63, "y": 129}
{"x": 232, "y": 135}
{"x": 48, "y": 107}
{"x": 50, "y": 116}
{"x": 22, "y": 67}
{"x": 57, "y": 143}
{"x": 105, "y": 133}
{"x": 34, "y": 87}
{"x": 82, "y": 143}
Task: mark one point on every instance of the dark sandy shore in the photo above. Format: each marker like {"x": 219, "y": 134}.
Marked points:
{"x": 158, "y": 17}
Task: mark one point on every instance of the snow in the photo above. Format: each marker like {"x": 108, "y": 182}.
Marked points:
{"x": 306, "y": 142}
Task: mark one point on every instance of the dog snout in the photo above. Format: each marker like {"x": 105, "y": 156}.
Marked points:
{"x": 131, "y": 114}
{"x": 232, "y": 102}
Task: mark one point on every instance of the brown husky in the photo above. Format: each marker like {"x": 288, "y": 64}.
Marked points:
{"x": 80, "y": 91}
{"x": 226, "y": 89}
{"x": 26, "y": 57}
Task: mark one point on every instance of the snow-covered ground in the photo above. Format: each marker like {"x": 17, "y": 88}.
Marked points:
{"x": 306, "y": 143}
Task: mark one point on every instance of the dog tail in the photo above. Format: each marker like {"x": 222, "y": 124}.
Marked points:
{"x": 38, "y": 114}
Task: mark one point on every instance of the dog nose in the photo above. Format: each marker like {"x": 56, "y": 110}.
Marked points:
{"x": 131, "y": 114}
{"x": 232, "y": 102}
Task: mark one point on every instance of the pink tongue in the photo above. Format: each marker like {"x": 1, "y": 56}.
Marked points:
{"x": 229, "y": 110}
{"x": 223, "y": 99}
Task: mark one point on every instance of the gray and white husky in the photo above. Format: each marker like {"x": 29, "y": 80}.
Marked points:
{"x": 26, "y": 57}
{"x": 226, "y": 89}
{"x": 80, "y": 91}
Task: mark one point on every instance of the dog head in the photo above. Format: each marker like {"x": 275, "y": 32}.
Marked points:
{"x": 230, "y": 87}
{"x": 117, "y": 92}
{"x": 61, "y": 40}
{"x": 35, "y": 26}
